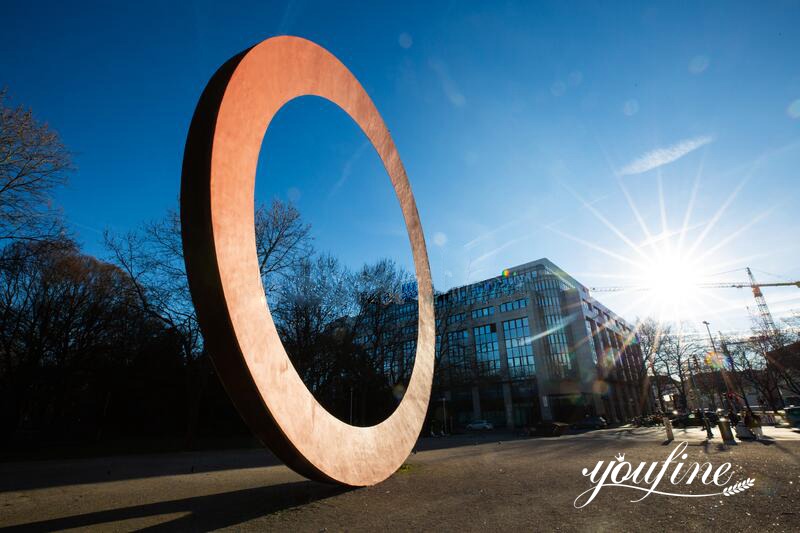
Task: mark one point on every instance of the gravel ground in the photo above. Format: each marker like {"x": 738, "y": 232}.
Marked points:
{"x": 468, "y": 483}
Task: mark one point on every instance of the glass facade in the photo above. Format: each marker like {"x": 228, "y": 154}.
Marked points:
{"x": 519, "y": 348}
{"x": 483, "y": 312}
{"x": 559, "y": 360}
{"x": 455, "y": 353}
{"x": 409, "y": 351}
{"x": 545, "y": 323}
{"x": 487, "y": 349}
{"x": 406, "y": 311}
{"x": 457, "y": 318}
{"x": 514, "y": 305}
{"x": 590, "y": 337}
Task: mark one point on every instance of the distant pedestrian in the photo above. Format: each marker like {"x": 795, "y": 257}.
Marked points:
{"x": 753, "y": 423}
{"x": 707, "y": 424}
{"x": 757, "y": 431}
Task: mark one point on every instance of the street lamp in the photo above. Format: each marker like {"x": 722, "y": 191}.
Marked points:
{"x": 722, "y": 376}
{"x": 444, "y": 416}
{"x": 706, "y": 424}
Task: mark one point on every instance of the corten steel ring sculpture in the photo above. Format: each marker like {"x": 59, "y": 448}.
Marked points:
{"x": 217, "y": 221}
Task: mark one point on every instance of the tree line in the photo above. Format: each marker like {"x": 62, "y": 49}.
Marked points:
{"x": 761, "y": 365}
{"x": 106, "y": 352}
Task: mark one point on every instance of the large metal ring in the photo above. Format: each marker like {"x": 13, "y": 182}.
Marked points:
{"x": 217, "y": 221}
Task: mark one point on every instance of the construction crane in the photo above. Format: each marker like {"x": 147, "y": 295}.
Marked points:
{"x": 763, "y": 310}
{"x": 720, "y": 285}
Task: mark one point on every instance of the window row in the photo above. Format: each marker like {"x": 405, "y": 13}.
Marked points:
{"x": 487, "y": 349}
{"x": 514, "y": 305}
{"x": 483, "y": 312}
{"x": 519, "y": 347}
{"x": 456, "y": 319}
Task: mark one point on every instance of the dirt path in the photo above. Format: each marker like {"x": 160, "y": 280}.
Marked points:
{"x": 477, "y": 484}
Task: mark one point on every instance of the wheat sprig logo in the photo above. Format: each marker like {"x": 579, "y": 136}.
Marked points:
{"x": 736, "y": 488}
{"x": 647, "y": 478}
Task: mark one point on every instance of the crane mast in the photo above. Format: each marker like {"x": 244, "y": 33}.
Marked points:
{"x": 764, "y": 316}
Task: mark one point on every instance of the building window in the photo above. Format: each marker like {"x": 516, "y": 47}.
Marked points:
{"x": 483, "y": 312}
{"x": 409, "y": 351}
{"x": 405, "y": 311}
{"x": 519, "y": 348}
{"x": 559, "y": 360}
{"x": 514, "y": 305}
{"x": 454, "y": 354}
{"x": 398, "y": 360}
{"x": 590, "y": 336}
{"x": 456, "y": 319}
{"x": 487, "y": 349}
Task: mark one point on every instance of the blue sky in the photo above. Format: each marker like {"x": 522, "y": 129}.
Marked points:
{"x": 527, "y": 129}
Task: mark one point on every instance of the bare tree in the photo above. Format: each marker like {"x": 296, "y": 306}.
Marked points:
{"x": 781, "y": 360}
{"x": 651, "y": 334}
{"x": 677, "y": 357}
{"x": 382, "y": 314}
{"x": 281, "y": 240}
{"x": 153, "y": 259}
{"x": 33, "y": 162}
{"x": 346, "y": 334}
{"x": 755, "y": 361}
{"x": 311, "y": 304}
{"x": 61, "y": 312}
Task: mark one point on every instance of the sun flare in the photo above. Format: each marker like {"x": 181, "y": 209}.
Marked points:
{"x": 671, "y": 279}
{"x": 668, "y": 274}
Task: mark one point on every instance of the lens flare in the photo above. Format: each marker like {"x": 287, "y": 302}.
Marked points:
{"x": 714, "y": 360}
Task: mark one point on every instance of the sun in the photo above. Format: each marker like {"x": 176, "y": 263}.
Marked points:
{"x": 671, "y": 278}
{"x": 671, "y": 274}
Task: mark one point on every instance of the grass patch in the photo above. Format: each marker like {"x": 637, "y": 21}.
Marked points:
{"x": 405, "y": 468}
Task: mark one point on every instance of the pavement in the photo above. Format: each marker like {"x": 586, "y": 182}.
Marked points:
{"x": 485, "y": 481}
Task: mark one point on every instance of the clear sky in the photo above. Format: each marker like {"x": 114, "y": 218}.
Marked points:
{"x": 574, "y": 131}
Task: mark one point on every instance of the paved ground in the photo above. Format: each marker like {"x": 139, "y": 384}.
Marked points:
{"x": 465, "y": 483}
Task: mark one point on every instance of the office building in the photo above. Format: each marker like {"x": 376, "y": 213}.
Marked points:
{"x": 529, "y": 345}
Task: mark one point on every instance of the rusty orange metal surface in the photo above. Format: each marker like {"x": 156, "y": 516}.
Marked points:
{"x": 217, "y": 220}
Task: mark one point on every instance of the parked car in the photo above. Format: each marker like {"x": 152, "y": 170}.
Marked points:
{"x": 647, "y": 420}
{"x": 547, "y": 429}
{"x": 686, "y": 420}
{"x": 793, "y": 415}
{"x": 480, "y": 425}
{"x": 591, "y": 422}
{"x": 694, "y": 419}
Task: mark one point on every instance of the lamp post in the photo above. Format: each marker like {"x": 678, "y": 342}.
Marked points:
{"x": 721, "y": 375}
{"x": 444, "y": 416}
{"x": 739, "y": 379}
{"x": 706, "y": 424}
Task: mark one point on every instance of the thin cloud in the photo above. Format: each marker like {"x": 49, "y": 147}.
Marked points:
{"x": 664, "y": 156}
{"x": 289, "y": 17}
{"x": 451, "y": 90}
{"x": 489, "y": 233}
{"x": 347, "y": 170}
{"x": 664, "y": 235}
{"x": 500, "y": 248}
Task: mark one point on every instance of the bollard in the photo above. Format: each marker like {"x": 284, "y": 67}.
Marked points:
{"x": 668, "y": 428}
{"x": 725, "y": 431}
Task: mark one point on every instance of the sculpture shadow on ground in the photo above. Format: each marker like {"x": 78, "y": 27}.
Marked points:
{"x": 201, "y": 512}
{"x": 30, "y": 475}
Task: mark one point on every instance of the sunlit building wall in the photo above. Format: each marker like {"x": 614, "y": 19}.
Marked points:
{"x": 526, "y": 346}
